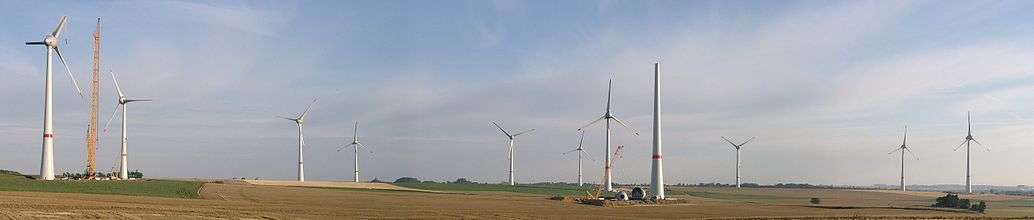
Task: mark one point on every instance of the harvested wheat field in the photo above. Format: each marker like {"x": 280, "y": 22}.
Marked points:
{"x": 238, "y": 200}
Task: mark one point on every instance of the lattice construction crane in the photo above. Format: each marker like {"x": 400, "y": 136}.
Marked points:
{"x": 599, "y": 187}
{"x": 91, "y": 133}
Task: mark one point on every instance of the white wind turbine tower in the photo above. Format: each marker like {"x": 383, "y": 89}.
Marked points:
{"x": 657, "y": 168}
{"x": 969, "y": 137}
{"x": 300, "y": 121}
{"x": 607, "y": 117}
{"x": 51, "y": 43}
{"x": 512, "y": 138}
{"x": 904, "y": 148}
{"x": 122, "y": 102}
{"x": 737, "y": 147}
{"x": 356, "y": 145}
{"x": 580, "y": 151}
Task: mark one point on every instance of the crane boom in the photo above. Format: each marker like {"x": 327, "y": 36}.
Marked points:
{"x": 91, "y": 134}
{"x": 599, "y": 187}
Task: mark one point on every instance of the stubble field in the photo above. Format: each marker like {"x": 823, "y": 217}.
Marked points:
{"x": 239, "y": 200}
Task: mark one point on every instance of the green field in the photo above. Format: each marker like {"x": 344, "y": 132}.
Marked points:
{"x": 155, "y": 188}
{"x": 540, "y": 189}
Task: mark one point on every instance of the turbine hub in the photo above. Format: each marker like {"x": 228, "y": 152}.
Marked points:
{"x": 50, "y": 41}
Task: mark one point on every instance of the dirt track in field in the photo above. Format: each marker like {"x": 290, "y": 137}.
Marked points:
{"x": 246, "y": 201}
{"x": 329, "y": 184}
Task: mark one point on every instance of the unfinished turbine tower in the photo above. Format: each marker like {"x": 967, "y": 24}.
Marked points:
{"x": 122, "y": 102}
{"x": 969, "y": 137}
{"x": 300, "y": 121}
{"x": 512, "y": 138}
{"x": 51, "y": 42}
{"x": 580, "y": 151}
{"x": 607, "y": 117}
{"x": 657, "y": 170}
{"x": 904, "y": 148}
{"x": 355, "y": 146}
{"x": 737, "y": 147}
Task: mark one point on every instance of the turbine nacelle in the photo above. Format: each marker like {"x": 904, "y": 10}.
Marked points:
{"x": 50, "y": 41}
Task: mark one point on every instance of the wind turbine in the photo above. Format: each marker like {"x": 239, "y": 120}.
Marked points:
{"x": 607, "y": 117}
{"x": 122, "y": 102}
{"x": 300, "y": 120}
{"x": 969, "y": 137}
{"x": 580, "y": 151}
{"x": 512, "y": 138}
{"x": 355, "y": 145}
{"x": 51, "y": 43}
{"x": 737, "y": 147}
{"x": 904, "y": 148}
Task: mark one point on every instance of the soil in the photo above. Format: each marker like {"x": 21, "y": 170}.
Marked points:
{"x": 250, "y": 201}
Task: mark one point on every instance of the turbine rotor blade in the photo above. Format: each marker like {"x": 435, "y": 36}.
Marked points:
{"x": 308, "y": 108}
{"x": 113, "y": 114}
{"x": 523, "y": 132}
{"x": 969, "y": 124}
{"x": 609, "y": 83}
{"x": 581, "y": 138}
{"x": 913, "y": 154}
{"x": 748, "y": 140}
{"x": 982, "y": 145}
{"x": 365, "y": 148}
{"x": 69, "y": 72}
{"x": 60, "y": 26}
{"x": 960, "y": 145}
{"x": 292, "y": 119}
{"x": 355, "y": 131}
{"x": 565, "y": 153}
{"x": 35, "y": 43}
{"x": 117, "y": 88}
{"x": 634, "y": 131}
{"x": 138, "y": 100}
{"x": 730, "y": 142}
{"x": 501, "y": 129}
{"x": 587, "y": 155}
{"x": 895, "y": 150}
{"x": 593, "y": 122}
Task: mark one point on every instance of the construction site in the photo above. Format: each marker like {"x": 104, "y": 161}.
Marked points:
{"x": 516, "y": 110}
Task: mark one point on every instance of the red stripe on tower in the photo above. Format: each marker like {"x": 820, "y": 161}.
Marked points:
{"x": 656, "y": 157}
{"x": 48, "y": 135}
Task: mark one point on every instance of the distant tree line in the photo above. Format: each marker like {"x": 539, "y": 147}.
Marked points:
{"x": 777, "y": 185}
{"x": 1015, "y": 193}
